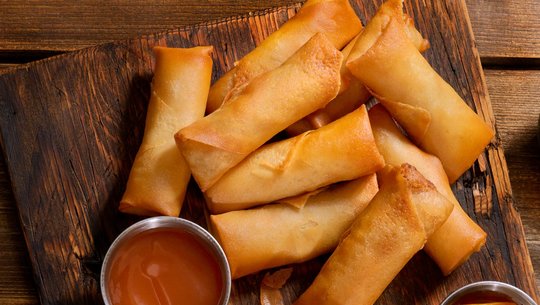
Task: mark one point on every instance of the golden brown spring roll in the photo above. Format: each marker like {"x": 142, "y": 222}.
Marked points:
{"x": 159, "y": 176}
{"x": 269, "y": 103}
{"x": 351, "y": 95}
{"x": 334, "y": 18}
{"x": 279, "y": 234}
{"x": 352, "y": 92}
{"x": 312, "y": 121}
{"x": 345, "y": 102}
{"x": 427, "y": 107}
{"x": 346, "y": 76}
{"x": 459, "y": 236}
{"x": 385, "y": 11}
{"x": 383, "y": 238}
{"x": 342, "y": 150}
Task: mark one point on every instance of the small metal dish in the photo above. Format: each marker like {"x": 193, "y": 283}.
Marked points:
{"x": 513, "y": 293}
{"x": 166, "y": 222}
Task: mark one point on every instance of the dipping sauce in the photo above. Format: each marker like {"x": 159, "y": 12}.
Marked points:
{"x": 164, "y": 267}
{"x": 488, "y": 293}
{"x": 484, "y": 298}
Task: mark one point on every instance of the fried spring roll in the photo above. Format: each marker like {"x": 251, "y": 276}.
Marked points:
{"x": 459, "y": 236}
{"x": 334, "y": 18}
{"x": 395, "y": 225}
{"x": 159, "y": 176}
{"x": 279, "y": 234}
{"x": 342, "y": 150}
{"x": 346, "y": 77}
{"x": 350, "y": 99}
{"x": 352, "y": 92}
{"x": 269, "y": 103}
{"x": 427, "y": 107}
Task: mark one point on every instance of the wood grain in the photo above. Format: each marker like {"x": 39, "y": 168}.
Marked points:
{"x": 137, "y": 57}
{"x": 59, "y": 25}
{"x": 5, "y": 66}
{"x": 15, "y": 270}
{"x": 515, "y": 96}
{"x": 506, "y": 29}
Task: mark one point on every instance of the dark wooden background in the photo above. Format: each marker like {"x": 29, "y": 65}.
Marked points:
{"x": 507, "y": 36}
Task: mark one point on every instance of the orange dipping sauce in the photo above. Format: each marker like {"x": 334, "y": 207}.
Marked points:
{"x": 164, "y": 267}
{"x": 485, "y": 298}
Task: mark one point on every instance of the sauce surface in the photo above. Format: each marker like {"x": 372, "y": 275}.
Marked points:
{"x": 164, "y": 267}
{"x": 485, "y": 298}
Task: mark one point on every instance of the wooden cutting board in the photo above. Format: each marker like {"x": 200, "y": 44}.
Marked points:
{"x": 70, "y": 127}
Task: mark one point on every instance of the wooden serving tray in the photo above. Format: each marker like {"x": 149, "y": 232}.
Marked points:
{"x": 70, "y": 127}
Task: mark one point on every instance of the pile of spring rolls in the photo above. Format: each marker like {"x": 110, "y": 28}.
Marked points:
{"x": 346, "y": 180}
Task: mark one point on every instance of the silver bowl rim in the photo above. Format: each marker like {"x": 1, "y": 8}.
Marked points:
{"x": 513, "y": 292}
{"x": 170, "y": 222}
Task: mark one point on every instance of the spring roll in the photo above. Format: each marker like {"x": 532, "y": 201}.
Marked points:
{"x": 352, "y": 92}
{"x": 279, "y": 234}
{"x": 342, "y": 150}
{"x": 270, "y": 102}
{"x": 459, "y": 236}
{"x": 334, "y": 18}
{"x": 345, "y": 102}
{"x": 395, "y": 225}
{"x": 385, "y": 11}
{"x": 428, "y": 108}
{"x": 159, "y": 176}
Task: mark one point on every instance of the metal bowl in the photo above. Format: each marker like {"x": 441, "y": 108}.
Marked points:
{"x": 513, "y": 293}
{"x": 162, "y": 222}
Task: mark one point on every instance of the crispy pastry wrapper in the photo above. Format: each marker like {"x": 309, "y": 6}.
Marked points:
{"x": 427, "y": 107}
{"x": 279, "y": 234}
{"x": 267, "y": 105}
{"x": 352, "y": 92}
{"x": 336, "y": 19}
{"x": 159, "y": 176}
{"x": 343, "y": 150}
{"x": 300, "y": 200}
{"x": 459, "y": 236}
{"x": 395, "y": 225}
{"x": 271, "y": 285}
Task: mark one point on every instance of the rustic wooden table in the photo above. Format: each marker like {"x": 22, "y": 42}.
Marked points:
{"x": 507, "y": 36}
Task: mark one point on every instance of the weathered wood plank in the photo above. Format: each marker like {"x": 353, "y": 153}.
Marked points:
{"x": 502, "y": 28}
{"x": 96, "y": 136}
{"x": 4, "y": 66}
{"x": 506, "y": 28}
{"x": 16, "y": 284}
{"x": 515, "y": 97}
{"x": 60, "y": 25}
